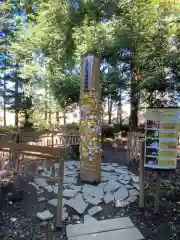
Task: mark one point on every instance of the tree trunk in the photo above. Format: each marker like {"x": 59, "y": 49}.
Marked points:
{"x": 163, "y": 99}
{"x": 17, "y": 102}
{"x": 28, "y": 112}
{"x": 49, "y": 119}
{"x": 46, "y": 104}
{"x": 16, "y": 117}
{"x": 119, "y": 111}
{"x": 109, "y": 110}
{"x": 64, "y": 117}
{"x": 134, "y": 102}
{"x": 4, "y": 102}
{"x": 45, "y": 114}
{"x": 57, "y": 116}
{"x": 119, "y": 114}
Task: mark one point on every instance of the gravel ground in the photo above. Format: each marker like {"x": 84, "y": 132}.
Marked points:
{"x": 166, "y": 224}
{"x": 18, "y": 214}
{"x": 18, "y": 217}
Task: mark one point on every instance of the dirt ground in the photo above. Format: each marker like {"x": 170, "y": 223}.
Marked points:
{"x": 18, "y": 214}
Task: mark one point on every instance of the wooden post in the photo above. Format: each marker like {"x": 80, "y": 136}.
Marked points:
{"x": 157, "y": 193}
{"x": 141, "y": 175}
{"x": 17, "y": 156}
{"x": 14, "y": 156}
{"x": 90, "y": 123}
{"x": 60, "y": 190}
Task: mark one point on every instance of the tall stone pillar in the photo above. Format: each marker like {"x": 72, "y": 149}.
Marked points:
{"x": 90, "y": 123}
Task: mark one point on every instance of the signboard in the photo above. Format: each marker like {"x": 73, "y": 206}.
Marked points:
{"x": 88, "y": 61}
{"x": 2, "y": 59}
{"x": 86, "y": 74}
{"x": 161, "y": 137}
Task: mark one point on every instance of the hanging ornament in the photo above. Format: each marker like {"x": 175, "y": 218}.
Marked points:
{"x": 91, "y": 112}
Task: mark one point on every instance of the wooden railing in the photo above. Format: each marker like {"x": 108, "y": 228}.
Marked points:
{"x": 133, "y": 145}
{"x": 53, "y": 139}
{"x": 20, "y": 145}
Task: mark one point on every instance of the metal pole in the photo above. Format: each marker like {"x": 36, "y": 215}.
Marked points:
{"x": 141, "y": 175}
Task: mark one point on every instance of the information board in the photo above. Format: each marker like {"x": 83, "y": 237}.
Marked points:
{"x": 161, "y": 137}
{"x": 87, "y": 73}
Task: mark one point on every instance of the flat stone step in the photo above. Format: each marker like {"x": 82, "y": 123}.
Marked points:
{"x": 126, "y": 234}
{"x": 99, "y": 226}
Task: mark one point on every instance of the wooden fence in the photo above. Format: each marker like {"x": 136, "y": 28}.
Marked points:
{"x": 49, "y": 139}
{"x": 23, "y": 152}
{"x": 53, "y": 139}
{"x": 133, "y": 145}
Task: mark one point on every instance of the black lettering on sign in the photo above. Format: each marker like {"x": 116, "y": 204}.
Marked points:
{"x": 86, "y": 77}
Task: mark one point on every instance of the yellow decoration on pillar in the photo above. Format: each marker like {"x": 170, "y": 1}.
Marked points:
{"x": 90, "y": 123}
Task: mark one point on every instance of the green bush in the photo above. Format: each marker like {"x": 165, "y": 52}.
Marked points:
{"x": 107, "y": 131}
{"x": 124, "y": 128}
{"x": 9, "y": 128}
{"x": 72, "y": 126}
{"x": 75, "y": 152}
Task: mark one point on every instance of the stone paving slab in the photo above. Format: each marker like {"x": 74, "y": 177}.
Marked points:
{"x": 99, "y": 226}
{"x": 123, "y": 234}
{"x": 118, "y": 186}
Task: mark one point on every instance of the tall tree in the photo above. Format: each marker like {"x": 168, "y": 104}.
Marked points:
{"x": 119, "y": 31}
{"x": 10, "y": 24}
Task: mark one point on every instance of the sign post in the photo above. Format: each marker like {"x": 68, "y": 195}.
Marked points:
{"x": 90, "y": 123}
{"x": 161, "y": 135}
{"x": 161, "y": 143}
{"x": 141, "y": 176}
{"x": 157, "y": 193}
